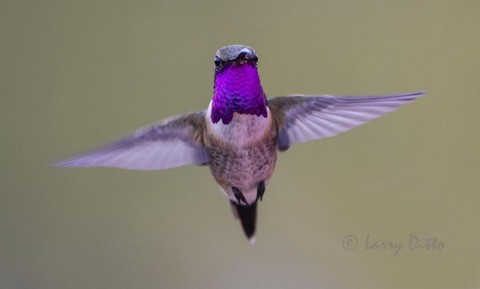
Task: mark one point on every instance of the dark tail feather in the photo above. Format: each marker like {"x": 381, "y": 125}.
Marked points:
{"x": 248, "y": 217}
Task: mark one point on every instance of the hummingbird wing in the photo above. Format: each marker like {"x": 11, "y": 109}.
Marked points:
{"x": 301, "y": 118}
{"x": 173, "y": 142}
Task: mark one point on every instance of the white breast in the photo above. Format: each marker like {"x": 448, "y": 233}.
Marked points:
{"x": 243, "y": 129}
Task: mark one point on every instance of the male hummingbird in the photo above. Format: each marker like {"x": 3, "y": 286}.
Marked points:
{"x": 238, "y": 135}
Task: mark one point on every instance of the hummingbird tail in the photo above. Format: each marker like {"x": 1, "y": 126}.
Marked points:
{"x": 248, "y": 218}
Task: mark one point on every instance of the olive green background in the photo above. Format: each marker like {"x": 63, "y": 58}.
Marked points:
{"x": 75, "y": 74}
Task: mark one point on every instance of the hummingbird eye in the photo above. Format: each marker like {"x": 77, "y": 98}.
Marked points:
{"x": 217, "y": 62}
{"x": 255, "y": 59}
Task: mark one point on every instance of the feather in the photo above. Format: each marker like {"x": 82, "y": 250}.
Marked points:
{"x": 301, "y": 118}
{"x": 174, "y": 142}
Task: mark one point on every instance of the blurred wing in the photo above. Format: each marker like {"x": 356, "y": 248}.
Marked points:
{"x": 303, "y": 118}
{"x": 174, "y": 142}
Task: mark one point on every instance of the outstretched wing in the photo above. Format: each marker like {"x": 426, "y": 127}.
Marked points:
{"x": 301, "y": 118}
{"x": 173, "y": 142}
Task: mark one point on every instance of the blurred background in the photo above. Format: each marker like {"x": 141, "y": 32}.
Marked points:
{"x": 392, "y": 204}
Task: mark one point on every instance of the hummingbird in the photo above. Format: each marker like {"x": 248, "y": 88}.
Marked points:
{"x": 241, "y": 131}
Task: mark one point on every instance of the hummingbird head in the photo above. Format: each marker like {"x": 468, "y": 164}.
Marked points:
{"x": 237, "y": 85}
{"x": 238, "y": 54}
